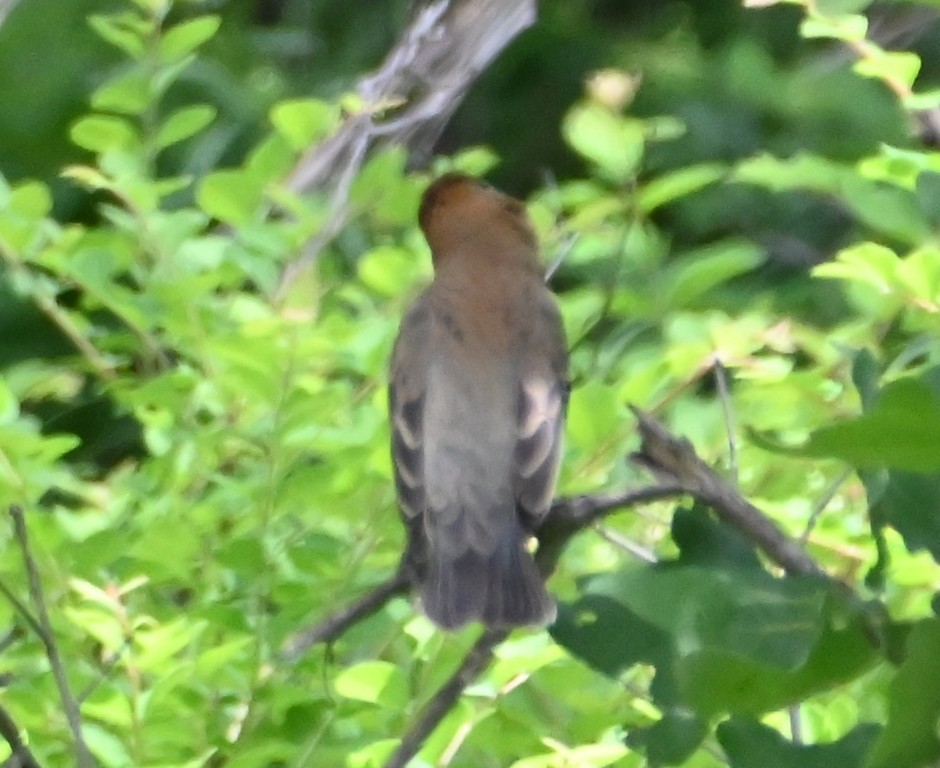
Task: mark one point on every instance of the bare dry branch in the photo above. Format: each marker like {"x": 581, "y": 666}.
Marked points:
{"x": 408, "y": 100}
{"x": 5, "y": 7}
{"x": 673, "y": 460}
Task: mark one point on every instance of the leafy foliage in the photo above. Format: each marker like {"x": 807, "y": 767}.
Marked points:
{"x": 233, "y": 480}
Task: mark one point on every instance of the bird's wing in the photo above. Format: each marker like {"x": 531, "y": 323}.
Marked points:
{"x": 543, "y": 399}
{"x": 409, "y": 374}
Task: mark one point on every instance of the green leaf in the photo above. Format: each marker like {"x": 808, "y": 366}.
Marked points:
{"x": 30, "y": 199}
{"x": 230, "y": 196}
{"x": 910, "y": 503}
{"x": 124, "y": 31}
{"x": 887, "y": 209}
{"x": 9, "y": 406}
{"x": 185, "y": 38}
{"x": 184, "y": 123}
{"x": 909, "y": 739}
{"x": 802, "y": 171}
{"x": 100, "y": 133}
{"x": 304, "y": 121}
{"x": 585, "y": 756}
{"x": 376, "y": 682}
{"x": 272, "y": 159}
{"x": 390, "y": 270}
{"x": 591, "y": 411}
{"x": 750, "y": 744}
{"x": 703, "y": 541}
{"x": 675, "y": 185}
{"x": 672, "y": 739}
{"x": 847, "y": 27}
{"x": 128, "y": 93}
{"x": 105, "y": 746}
{"x": 902, "y": 431}
{"x": 696, "y": 273}
{"x": 869, "y": 263}
{"x": 893, "y": 66}
{"x": 608, "y": 636}
{"x": 614, "y": 143}
{"x": 714, "y": 680}
{"x": 745, "y": 612}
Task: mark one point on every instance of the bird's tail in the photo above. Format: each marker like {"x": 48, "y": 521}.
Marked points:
{"x": 502, "y": 589}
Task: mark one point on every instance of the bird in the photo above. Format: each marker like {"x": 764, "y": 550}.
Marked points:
{"x": 478, "y": 391}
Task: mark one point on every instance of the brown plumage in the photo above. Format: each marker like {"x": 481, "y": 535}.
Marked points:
{"x": 477, "y": 400}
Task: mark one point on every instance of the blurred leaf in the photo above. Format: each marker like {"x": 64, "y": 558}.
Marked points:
{"x": 303, "y": 121}
{"x": 910, "y": 503}
{"x": 672, "y": 739}
{"x": 743, "y": 612}
{"x": 128, "y": 93}
{"x": 698, "y": 272}
{"x": 674, "y": 186}
{"x": 99, "y": 133}
{"x": 592, "y": 408}
{"x": 389, "y": 270}
{"x": 376, "y": 682}
{"x": 184, "y": 123}
{"x": 230, "y": 196}
{"x": 587, "y": 756}
{"x": 901, "y": 431}
{"x": 610, "y": 637}
{"x": 125, "y": 31}
{"x": 613, "y": 142}
{"x": 848, "y": 27}
{"x": 893, "y": 66}
{"x": 184, "y": 38}
{"x": 909, "y": 739}
{"x": 714, "y": 680}
{"x": 750, "y": 744}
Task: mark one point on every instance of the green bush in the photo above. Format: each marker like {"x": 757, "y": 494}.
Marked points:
{"x": 234, "y": 484}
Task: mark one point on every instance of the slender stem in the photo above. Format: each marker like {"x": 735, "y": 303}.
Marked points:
{"x": 83, "y": 757}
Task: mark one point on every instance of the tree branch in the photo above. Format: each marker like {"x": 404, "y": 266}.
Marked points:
{"x": 673, "y": 460}
{"x": 83, "y": 756}
{"x": 5, "y": 7}
{"x": 407, "y": 101}
{"x": 477, "y": 660}
{"x": 678, "y": 470}
{"x": 21, "y": 757}
{"x": 330, "y": 628}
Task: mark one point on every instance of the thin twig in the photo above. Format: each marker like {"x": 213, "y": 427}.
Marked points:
{"x": 443, "y": 701}
{"x": 569, "y": 516}
{"x": 796, "y": 725}
{"x": 724, "y": 396}
{"x": 627, "y": 545}
{"x": 21, "y": 756}
{"x": 22, "y": 610}
{"x": 12, "y": 637}
{"x": 333, "y": 626}
{"x": 109, "y": 664}
{"x": 820, "y": 506}
{"x": 83, "y": 757}
{"x": 673, "y": 460}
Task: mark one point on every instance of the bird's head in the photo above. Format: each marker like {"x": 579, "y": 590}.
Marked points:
{"x": 460, "y": 214}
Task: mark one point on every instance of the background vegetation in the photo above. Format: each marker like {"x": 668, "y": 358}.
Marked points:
{"x": 745, "y": 209}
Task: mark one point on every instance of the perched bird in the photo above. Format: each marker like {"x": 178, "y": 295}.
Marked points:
{"x": 477, "y": 401}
